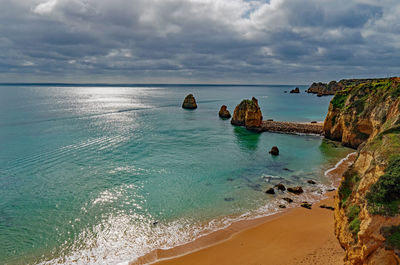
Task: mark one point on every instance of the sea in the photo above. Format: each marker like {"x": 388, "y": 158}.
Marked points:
{"x": 103, "y": 174}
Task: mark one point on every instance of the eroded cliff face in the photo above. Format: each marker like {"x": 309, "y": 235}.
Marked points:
{"x": 367, "y": 220}
{"x": 247, "y": 114}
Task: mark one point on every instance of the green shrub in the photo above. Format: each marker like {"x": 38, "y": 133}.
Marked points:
{"x": 339, "y": 99}
{"x": 351, "y": 179}
{"x": 392, "y": 236}
{"x": 354, "y": 226}
{"x": 384, "y": 196}
{"x": 353, "y": 211}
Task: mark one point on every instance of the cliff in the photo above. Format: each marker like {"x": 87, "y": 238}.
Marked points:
{"x": 323, "y": 89}
{"x": 247, "y": 114}
{"x": 365, "y": 115}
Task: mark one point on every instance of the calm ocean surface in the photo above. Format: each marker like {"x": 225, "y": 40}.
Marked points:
{"x": 104, "y": 174}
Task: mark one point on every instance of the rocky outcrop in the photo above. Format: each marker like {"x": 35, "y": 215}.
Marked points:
{"x": 296, "y": 90}
{"x": 366, "y": 116}
{"x": 359, "y": 112}
{"x": 247, "y": 114}
{"x": 274, "y": 151}
{"x": 324, "y": 89}
{"x": 189, "y": 102}
{"x": 224, "y": 113}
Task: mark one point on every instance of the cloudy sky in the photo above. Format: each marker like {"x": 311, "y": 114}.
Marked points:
{"x": 198, "y": 41}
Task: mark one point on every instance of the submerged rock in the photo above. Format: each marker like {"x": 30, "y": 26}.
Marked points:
{"x": 282, "y": 206}
{"x": 274, "y": 151}
{"x": 270, "y": 191}
{"x": 310, "y": 181}
{"x": 296, "y": 190}
{"x": 224, "y": 113}
{"x": 189, "y": 102}
{"x": 247, "y": 114}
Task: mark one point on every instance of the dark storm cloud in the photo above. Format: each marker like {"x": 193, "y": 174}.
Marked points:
{"x": 198, "y": 40}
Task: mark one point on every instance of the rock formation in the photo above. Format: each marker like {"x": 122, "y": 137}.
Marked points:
{"x": 296, "y": 190}
{"x": 224, "y": 113}
{"x": 296, "y": 90}
{"x": 366, "y": 116}
{"x": 247, "y": 114}
{"x": 274, "y": 151}
{"x": 323, "y": 89}
{"x": 189, "y": 102}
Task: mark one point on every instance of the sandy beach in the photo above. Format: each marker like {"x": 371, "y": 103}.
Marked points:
{"x": 296, "y": 236}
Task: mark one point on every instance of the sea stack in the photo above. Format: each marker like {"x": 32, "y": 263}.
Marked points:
{"x": 248, "y": 114}
{"x": 224, "y": 113}
{"x": 189, "y": 102}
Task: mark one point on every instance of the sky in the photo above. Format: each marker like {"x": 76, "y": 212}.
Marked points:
{"x": 198, "y": 41}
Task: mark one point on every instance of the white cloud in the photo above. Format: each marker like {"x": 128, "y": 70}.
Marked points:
{"x": 45, "y": 7}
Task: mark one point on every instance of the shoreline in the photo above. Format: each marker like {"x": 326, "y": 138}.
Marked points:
{"x": 220, "y": 241}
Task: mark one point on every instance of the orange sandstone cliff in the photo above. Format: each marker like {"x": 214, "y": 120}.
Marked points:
{"x": 366, "y": 116}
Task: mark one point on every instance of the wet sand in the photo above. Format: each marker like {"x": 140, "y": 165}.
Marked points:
{"x": 297, "y": 236}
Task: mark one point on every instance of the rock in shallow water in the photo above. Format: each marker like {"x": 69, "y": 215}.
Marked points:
{"x": 270, "y": 191}
{"x": 274, "y": 151}
{"x": 189, "y": 102}
{"x": 287, "y": 199}
{"x": 296, "y": 190}
{"x": 280, "y": 187}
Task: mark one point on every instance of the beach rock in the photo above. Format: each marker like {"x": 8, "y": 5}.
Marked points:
{"x": 323, "y": 206}
{"x": 310, "y": 181}
{"x": 287, "y": 199}
{"x": 247, "y": 114}
{"x": 296, "y": 190}
{"x": 306, "y": 205}
{"x": 189, "y": 102}
{"x": 280, "y": 187}
{"x": 314, "y": 122}
{"x": 296, "y": 90}
{"x": 224, "y": 113}
{"x": 274, "y": 151}
{"x": 270, "y": 191}
{"x": 282, "y": 206}
{"x": 270, "y": 120}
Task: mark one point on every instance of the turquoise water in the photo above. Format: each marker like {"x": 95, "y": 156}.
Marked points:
{"x": 104, "y": 174}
